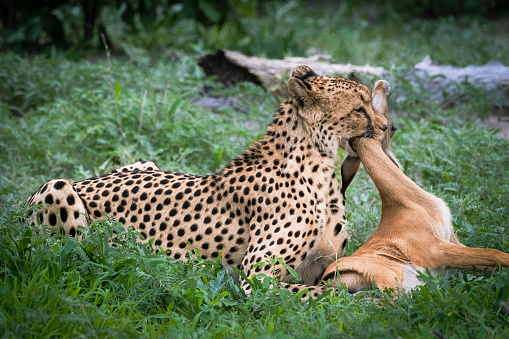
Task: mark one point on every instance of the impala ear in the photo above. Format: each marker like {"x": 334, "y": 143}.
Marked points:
{"x": 348, "y": 170}
{"x": 380, "y": 96}
{"x": 300, "y": 91}
{"x": 391, "y": 156}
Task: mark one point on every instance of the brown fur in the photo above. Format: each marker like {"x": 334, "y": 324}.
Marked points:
{"x": 415, "y": 232}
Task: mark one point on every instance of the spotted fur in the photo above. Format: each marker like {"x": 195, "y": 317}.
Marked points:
{"x": 279, "y": 198}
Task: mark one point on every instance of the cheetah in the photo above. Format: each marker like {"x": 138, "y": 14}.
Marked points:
{"x": 280, "y": 197}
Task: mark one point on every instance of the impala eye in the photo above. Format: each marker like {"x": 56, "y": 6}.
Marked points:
{"x": 393, "y": 130}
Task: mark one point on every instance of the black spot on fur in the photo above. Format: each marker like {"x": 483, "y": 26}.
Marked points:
{"x": 63, "y": 214}
{"x": 338, "y": 228}
{"x": 59, "y": 184}
{"x": 49, "y": 199}
{"x": 70, "y": 200}
{"x": 52, "y": 219}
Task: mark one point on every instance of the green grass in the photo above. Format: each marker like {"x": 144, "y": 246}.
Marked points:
{"x": 76, "y": 119}
{"x": 94, "y": 119}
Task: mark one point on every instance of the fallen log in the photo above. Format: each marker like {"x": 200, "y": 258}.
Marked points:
{"x": 230, "y": 68}
{"x": 493, "y": 76}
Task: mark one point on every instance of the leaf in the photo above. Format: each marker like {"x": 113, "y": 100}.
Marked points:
{"x": 123, "y": 263}
{"x": 25, "y": 241}
{"x": 147, "y": 19}
{"x": 200, "y": 285}
{"x": 253, "y": 283}
{"x": 176, "y": 104}
{"x": 15, "y": 36}
{"x": 195, "y": 321}
{"x": 118, "y": 92}
{"x": 219, "y": 154}
{"x": 218, "y": 283}
{"x": 291, "y": 270}
{"x": 196, "y": 253}
{"x": 244, "y": 8}
{"x": 65, "y": 252}
{"x": 210, "y": 11}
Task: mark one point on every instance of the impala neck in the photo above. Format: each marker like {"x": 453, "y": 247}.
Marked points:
{"x": 393, "y": 185}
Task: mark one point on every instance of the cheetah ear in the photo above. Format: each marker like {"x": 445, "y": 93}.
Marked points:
{"x": 348, "y": 170}
{"x": 303, "y": 73}
{"x": 300, "y": 91}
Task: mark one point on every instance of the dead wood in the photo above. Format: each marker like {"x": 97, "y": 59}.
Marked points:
{"x": 440, "y": 79}
{"x": 230, "y": 68}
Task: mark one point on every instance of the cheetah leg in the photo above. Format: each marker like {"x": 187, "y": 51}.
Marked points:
{"x": 138, "y": 166}
{"x": 63, "y": 207}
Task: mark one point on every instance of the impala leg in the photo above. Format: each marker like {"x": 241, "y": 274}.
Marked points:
{"x": 458, "y": 256}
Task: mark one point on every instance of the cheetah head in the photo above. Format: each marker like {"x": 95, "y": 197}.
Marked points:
{"x": 335, "y": 107}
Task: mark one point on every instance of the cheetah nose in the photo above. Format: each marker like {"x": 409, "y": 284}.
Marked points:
{"x": 384, "y": 128}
